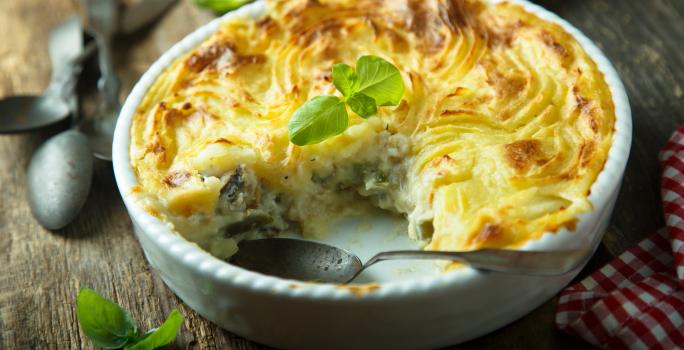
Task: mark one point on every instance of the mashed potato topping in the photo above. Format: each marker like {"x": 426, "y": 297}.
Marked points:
{"x": 504, "y": 125}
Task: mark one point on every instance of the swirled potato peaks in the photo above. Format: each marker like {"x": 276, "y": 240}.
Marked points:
{"x": 504, "y": 124}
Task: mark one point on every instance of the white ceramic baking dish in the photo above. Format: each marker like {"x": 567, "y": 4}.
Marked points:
{"x": 407, "y": 310}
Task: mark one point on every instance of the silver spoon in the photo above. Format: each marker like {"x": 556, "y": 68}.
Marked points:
{"x": 59, "y": 177}
{"x": 60, "y": 171}
{"x": 27, "y": 113}
{"x": 313, "y": 261}
{"x": 103, "y": 19}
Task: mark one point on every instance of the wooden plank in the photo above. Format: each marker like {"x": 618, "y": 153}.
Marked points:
{"x": 43, "y": 271}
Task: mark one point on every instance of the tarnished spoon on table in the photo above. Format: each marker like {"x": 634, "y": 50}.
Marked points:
{"x": 60, "y": 172}
{"x": 28, "y": 113}
{"x": 103, "y": 17}
{"x": 104, "y": 20}
{"x": 59, "y": 177}
{"x": 312, "y": 261}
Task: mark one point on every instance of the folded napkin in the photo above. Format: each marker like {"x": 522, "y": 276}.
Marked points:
{"x": 637, "y": 300}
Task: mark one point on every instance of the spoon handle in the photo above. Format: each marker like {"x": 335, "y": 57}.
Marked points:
{"x": 65, "y": 45}
{"x": 103, "y": 15}
{"x": 538, "y": 263}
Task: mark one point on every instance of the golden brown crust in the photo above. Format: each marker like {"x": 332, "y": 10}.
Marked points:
{"x": 523, "y": 153}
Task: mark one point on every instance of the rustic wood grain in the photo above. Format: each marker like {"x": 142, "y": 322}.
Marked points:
{"x": 42, "y": 271}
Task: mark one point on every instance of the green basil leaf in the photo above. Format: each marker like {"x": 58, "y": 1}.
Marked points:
{"x": 362, "y": 104}
{"x": 158, "y": 337}
{"x": 318, "y": 119}
{"x": 221, "y": 6}
{"x": 345, "y": 79}
{"x": 103, "y": 322}
{"x": 380, "y": 80}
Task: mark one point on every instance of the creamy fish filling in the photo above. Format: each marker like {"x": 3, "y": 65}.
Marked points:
{"x": 248, "y": 208}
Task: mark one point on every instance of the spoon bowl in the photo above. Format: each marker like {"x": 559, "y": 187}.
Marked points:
{"x": 58, "y": 102}
{"x": 59, "y": 178}
{"x": 317, "y": 262}
{"x": 297, "y": 259}
{"x": 28, "y": 113}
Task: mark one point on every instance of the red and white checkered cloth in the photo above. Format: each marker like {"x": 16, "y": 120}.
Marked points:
{"x": 637, "y": 300}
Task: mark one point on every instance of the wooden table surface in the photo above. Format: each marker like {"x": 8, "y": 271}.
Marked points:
{"x": 42, "y": 271}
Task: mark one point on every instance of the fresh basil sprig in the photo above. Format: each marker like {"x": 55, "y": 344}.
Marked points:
{"x": 111, "y": 327}
{"x": 222, "y": 6}
{"x": 375, "y": 83}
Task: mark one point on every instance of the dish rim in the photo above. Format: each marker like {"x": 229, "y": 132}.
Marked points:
{"x": 203, "y": 263}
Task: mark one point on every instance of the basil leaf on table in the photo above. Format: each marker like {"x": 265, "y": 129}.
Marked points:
{"x": 362, "y": 104}
{"x": 161, "y": 336}
{"x": 105, "y": 323}
{"x": 345, "y": 79}
{"x": 110, "y": 327}
{"x": 380, "y": 80}
{"x": 221, "y": 6}
{"x": 318, "y": 119}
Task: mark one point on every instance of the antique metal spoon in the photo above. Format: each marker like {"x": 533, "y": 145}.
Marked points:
{"x": 27, "y": 113}
{"x": 103, "y": 19}
{"x": 59, "y": 177}
{"x": 60, "y": 171}
{"x": 312, "y": 261}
